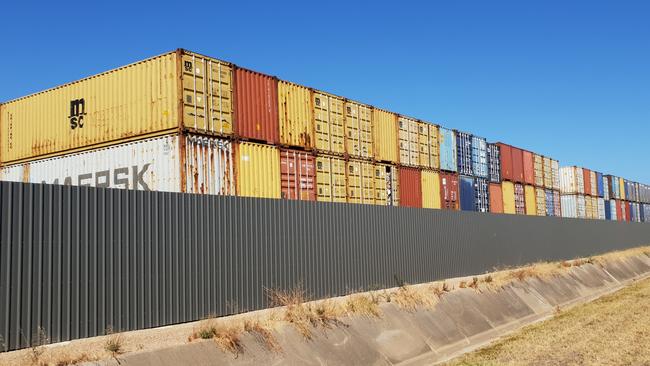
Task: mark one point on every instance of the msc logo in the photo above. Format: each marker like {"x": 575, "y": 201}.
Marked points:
{"x": 77, "y": 113}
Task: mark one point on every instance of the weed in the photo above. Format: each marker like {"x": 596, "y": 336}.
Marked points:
{"x": 399, "y": 281}
{"x": 474, "y": 283}
{"x": 262, "y": 334}
{"x": 445, "y": 287}
{"x": 408, "y": 298}
{"x": 488, "y": 279}
{"x": 37, "y": 350}
{"x": 228, "y": 339}
{"x": 114, "y": 344}
{"x": 363, "y": 305}
{"x": 462, "y": 284}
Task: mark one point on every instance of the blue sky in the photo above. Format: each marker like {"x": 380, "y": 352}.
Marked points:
{"x": 567, "y": 79}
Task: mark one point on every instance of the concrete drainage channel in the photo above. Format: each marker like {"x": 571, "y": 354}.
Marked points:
{"x": 462, "y": 320}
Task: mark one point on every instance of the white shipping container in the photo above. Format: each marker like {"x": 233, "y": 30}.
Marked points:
{"x": 605, "y": 188}
{"x": 156, "y": 164}
{"x": 601, "y": 208}
{"x": 555, "y": 169}
{"x": 612, "y": 210}
{"x": 637, "y": 211}
{"x": 573, "y": 205}
{"x": 571, "y": 180}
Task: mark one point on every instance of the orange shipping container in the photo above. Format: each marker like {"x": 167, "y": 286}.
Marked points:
{"x": 256, "y": 106}
{"x": 529, "y": 167}
{"x": 587, "y": 180}
{"x": 410, "y": 185}
{"x": 496, "y": 198}
{"x": 298, "y": 175}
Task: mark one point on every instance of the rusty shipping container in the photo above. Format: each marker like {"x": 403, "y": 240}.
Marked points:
{"x": 258, "y": 170}
{"x": 586, "y": 174}
{"x": 256, "y": 106}
{"x": 555, "y": 168}
{"x": 410, "y": 185}
{"x": 430, "y": 189}
{"x": 506, "y": 161}
{"x": 175, "y": 91}
{"x": 548, "y": 172}
{"x": 449, "y": 191}
{"x": 387, "y": 192}
{"x": 175, "y": 163}
{"x": 358, "y": 130}
{"x": 384, "y": 129}
{"x": 517, "y": 165}
{"x": 538, "y": 170}
{"x": 330, "y": 179}
{"x": 329, "y": 123}
{"x": 540, "y": 201}
{"x": 496, "y": 198}
{"x": 295, "y": 115}
{"x": 593, "y": 183}
{"x": 529, "y": 167}
{"x": 571, "y": 180}
{"x": 297, "y": 175}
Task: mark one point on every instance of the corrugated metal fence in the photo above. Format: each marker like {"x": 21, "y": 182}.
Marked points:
{"x": 77, "y": 260}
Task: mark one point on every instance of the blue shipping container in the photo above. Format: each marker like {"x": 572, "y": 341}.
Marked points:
{"x": 464, "y": 152}
{"x": 467, "y": 193}
{"x": 482, "y": 188}
{"x": 642, "y": 211}
{"x": 599, "y": 183}
{"x": 494, "y": 160}
{"x": 616, "y": 187}
{"x": 626, "y": 189}
{"x": 447, "y": 150}
{"x": 550, "y": 209}
{"x": 633, "y": 217}
{"x": 479, "y": 157}
{"x": 608, "y": 210}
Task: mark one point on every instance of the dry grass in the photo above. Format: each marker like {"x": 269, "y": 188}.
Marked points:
{"x": 364, "y": 305}
{"x": 114, "y": 344}
{"x": 614, "y": 330}
{"x": 263, "y": 334}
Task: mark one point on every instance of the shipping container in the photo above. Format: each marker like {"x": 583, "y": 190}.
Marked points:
{"x": 496, "y": 198}
{"x": 358, "y": 130}
{"x": 610, "y": 210}
{"x": 615, "y": 187}
{"x": 646, "y": 212}
{"x": 505, "y": 152}
{"x": 600, "y": 203}
{"x": 449, "y": 191}
{"x": 330, "y": 179}
{"x": 637, "y": 212}
{"x": 295, "y": 115}
{"x": 494, "y": 160}
{"x": 517, "y": 165}
{"x": 589, "y": 211}
{"x": 430, "y": 148}
{"x": 555, "y": 169}
{"x": 482, "y": 188}
{"x": 464, "y": 154}
{"x": 593, "y": 184}
{"x": 418, "y": 143}
{"x": 628, "y": 214}
{"x": 177, "y": 163}
{"x": 297, "y": 175}
{"x": 557, "y": 204}
{"x": 573, "y": 206}
{"x": 430, "y": 189}
{"x": 360, "y": 181}
{"x": 410, "y": 185}
{"x": 600, "y": 189}
{"x": 329, "y": 123}
{"x": 447, "y": 142}
{"x": 548, "y": 172}
{"x": 606, "y": 187}
{"x": 256, "y": 106}
{"x": 258, "y": 170}
{"x": 384, "y": 128}
{"x": 571, "y": 180}
{"x": 540, "y": 201}
{"x": 538, "y": 170}
{"x": 530, "y": 199}
{"x": 621, "y": 186}
{"x": 467, "y": 193}
{"x": 520, "y": 199}
{"x": 550, "y": 208}
{"x": 620, "y": 210}
{"x": 529, "y": 167}
{"x": 386, "y": 185}
{"x": 633, "y": 212}
{"x": 480, "y": 157}
{"x": 508, "y": 192}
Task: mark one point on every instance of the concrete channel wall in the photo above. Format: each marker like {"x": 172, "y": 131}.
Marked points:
{"x": 76, "y": 261}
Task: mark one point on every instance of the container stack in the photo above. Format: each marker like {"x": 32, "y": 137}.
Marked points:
{"x": 185, "y": 122}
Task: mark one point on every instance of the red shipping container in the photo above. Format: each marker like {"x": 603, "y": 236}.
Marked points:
{"x": 256, "y": 106}
{"x": 298, "y": 175}
{"x": 506, "y": 161}
{"x": 410, "y": 187}
{"x": 449, "y": 191}
{"x": 627, "y": 211}
{"x": 529, "y": 167}
{"x": 586, "y": 173}
{"x": 517, "y": 165}
{"x": 496, "y": 198}
{"x": 619, "y": 211}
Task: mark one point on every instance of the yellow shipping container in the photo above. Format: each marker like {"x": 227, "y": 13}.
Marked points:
{"x": 329, "y": 123}
{"x": 358, "y": 130}
{"x": 548, "y": 173}
{"x": 508, "y": 190}
{"x": 360, "y": 181}
{"x": 258, "y": 170}
{"x": 432, "y": 149}
{"x": 330, "y": 179}
{"x": 430, "y": 189}
{"x": 408, "y": 141}
{"x": 386, "y": 185}
{"x": 538, "y": 166}
{"x": 384, "y": 128}
{"x": 295, "y": 115}
{"x": 540, "y": 200}
{"x": 589, "y": 212}
{"x": 594, "y": 207}
{"x": 621, "y": 186}
{"x": 132, "y": 102}
{"x": 529, "y": 195}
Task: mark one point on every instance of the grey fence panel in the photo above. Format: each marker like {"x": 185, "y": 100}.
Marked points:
{"x": 76, "y": 261}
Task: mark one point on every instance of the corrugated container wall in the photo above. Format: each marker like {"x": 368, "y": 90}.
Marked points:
{"x": 418, "y": 143}
{"x": 480, "y": 157}
{"x": 620, "y": 211}
{"x": 133, "y": 101}
{"x": 540, "y": 200}
{"x": 430, "y": 189}
{"x": 506, "y": 162}
{"x": 330, "y": 179}
{"x": 449, "y": 191}
{"x": 329, "y": 123}
{"x": 387, "y": 192}
{"x": 557, "y": 203}
{"x": 384, "y": 127}
{"x": 447, "y": 142}
{"x": 548, "y": 199}
{"x": 520, "y": 199}
{"x": 555, "y": 168}
{"x": 258, "y": 170}
{"x": 548, "y": 172}
{"x": 464, "y": 154}
{"x": 599, "y": 185}
{"x": 508, "y": 193}
{"x": 496, "y": 198}
{"x": 360, "y": 181}
{"x": 529, "y": 195}
{"x": 517, "y": 165}
{"x": 573, "y": 205}
{"x": 298, "y": 175}
{"x": 589, "y": 210}
{"x": 606, "y": 187}
{"x": 571, "y": 180}
{"x": 155, "y": 164}
{"x": 538, "y": 170}
{"x": 358, "y": 130}
{"x": 529, "y": 167}
{"x": 295, "y": 115}
{"x": 433, "y": 151}
{"x": 494, "y": 159}
{"x": 256, "y": 106}
{"x": 482, "y": 195}
{"x": 410, "y": 185}
{"x": 621, "y": 187}
{"x": 601, "y": 208}
{"x": 593, "y": 184}
{"x": 467, "y": 193}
